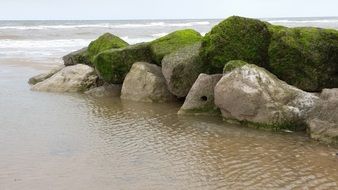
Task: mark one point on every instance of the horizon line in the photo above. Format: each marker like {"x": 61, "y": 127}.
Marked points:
{"x": 144, "y": 19}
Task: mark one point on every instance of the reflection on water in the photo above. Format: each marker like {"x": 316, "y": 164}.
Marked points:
{"x": 70, "y": 141}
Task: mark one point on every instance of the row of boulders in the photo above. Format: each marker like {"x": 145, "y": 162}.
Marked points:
{"x": 172, "y": 67}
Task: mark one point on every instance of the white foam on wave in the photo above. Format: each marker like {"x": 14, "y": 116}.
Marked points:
{"x": 136, "y": 40}
{"x": 158, "y": 35}
{"x": 105, "y": 25}
{"x": 305, "y": 21}
{"x": 44, "y": 27}
{"x": 38, "y": 44}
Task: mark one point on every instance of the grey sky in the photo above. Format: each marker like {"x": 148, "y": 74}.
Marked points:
{"x": 163, "y": 9}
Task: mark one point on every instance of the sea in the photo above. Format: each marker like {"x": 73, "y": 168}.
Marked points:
{"x": 40, "y": 40}
{"x": 73, "y": 141}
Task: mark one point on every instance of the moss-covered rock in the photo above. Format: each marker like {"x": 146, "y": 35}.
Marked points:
{"x": 236, "y": 38}
{"x": 181, "y": 69}
{"x": 173, "y": 42}
{"x": 77, "y": 57}
{"x": 231, "y": 65}
{"x": 114, "y": 64}
{"x": 105, "y": 42}
{"x": 305, "y": 57}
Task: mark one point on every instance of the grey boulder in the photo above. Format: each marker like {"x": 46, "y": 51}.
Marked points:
{"x": 251, "y": 93}
{"x": 44, "y": 76}
{"x": 323, "y": 119}
{"x": 181, "y": 69}
{"x": 145, "y": 83}
{"x": 76, "y": 78}
{"x": 106, "y": 90}
{"x": 200, "y": 100}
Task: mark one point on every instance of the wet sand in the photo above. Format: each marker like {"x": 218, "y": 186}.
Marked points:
{"x": 72, "y": 141}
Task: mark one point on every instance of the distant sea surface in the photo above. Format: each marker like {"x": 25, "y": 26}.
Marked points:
{"x": 41, "y": 40}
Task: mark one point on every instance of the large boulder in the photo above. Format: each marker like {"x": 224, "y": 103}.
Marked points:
{"x": 106, "y": 90}
{"x": 181, "y": 69}
{"x": 252, "y": 94}
{"x": 323, "y": 119}
{"x": 173, "y": 42}
{"x": 41, "y": 77}
{"x": 114, "y": 64}
{"x": 105, "y": 42}
{"x": 77, "y": 57}
{"x": 305, "y": 57}
{"x": 200, "y": 100}
{"x": 76, "y": 78}
{"x": 236, "y": 38}
{"x": 145, "y": 83}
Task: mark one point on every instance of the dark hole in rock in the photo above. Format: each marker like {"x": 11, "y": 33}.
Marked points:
{"x": 204, "y": 98}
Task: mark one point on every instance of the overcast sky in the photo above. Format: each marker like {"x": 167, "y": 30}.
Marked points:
{"x": 163, "y": 9}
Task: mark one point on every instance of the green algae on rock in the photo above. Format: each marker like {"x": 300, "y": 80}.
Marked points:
{"x": 173, "y": 42}
{"x": 231, "y": 65}
{"x": 236, "y": 38}
{"x": 105, "y": 42}
{"x": 181, "y": 69}
{"x": 77, "y": 57}
{"x": 114, "y": 64}
{"x": 304, "y": 57}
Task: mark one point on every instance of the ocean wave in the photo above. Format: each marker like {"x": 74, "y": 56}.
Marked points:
{"x": 304, "y": 21}
{"x": 136, "y": 40}
{"x": 38, "y": 44}
{"x": 105, "y": 25}
{"x": 158, "y": 35}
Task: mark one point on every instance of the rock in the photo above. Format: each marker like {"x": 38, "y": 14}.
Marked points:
{"x": 106, "y": 90}
{"x": 76, "y": 78}
{"x": 200, "y": 100}
{"x": 105, "y": 42}
{"x": 329, "y": 94}
{"x": 181, "y": 69}
{"x": 323, "y": 119}
{"x": 44, "y": 76}
{"x": 231, "y": 65}
{"x": 114, "y": 64}
{"x": 145, "y": 83}
{"x": 173, "y": 42}
{"x": 305, "y": 57}
{"x": 77, "y": 57}
{"x": 236, "y": 38}
{"x": 252, "y": 94}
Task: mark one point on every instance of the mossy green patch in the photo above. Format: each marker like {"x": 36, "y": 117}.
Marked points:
{"x": 236, "y": 38}
{"x": 296, "y": 125}
{"x": 113, "y": 65}
{"x": 206, "y": 110}
{"x": 82, "y": 58}
{"x": 173, "y": 42}
{"x": 305, "y": 57}
{"x": 105, "y": 42}
{"x": 185, "y": 66}
{"x": 231, "y": 65}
